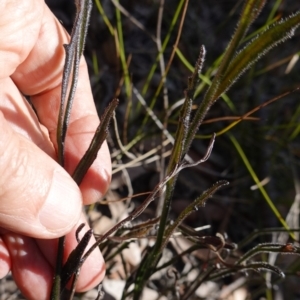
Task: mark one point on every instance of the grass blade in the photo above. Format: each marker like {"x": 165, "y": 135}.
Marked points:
{"x": 261, "y": 188}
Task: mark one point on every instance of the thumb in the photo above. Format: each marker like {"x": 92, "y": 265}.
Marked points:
{"x": 37, "y": 197}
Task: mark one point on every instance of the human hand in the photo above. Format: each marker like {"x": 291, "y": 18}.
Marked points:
{"x": 39, "y": 201}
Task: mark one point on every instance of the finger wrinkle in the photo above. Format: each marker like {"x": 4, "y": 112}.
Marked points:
{"x": 42, "y": 70}
{"x": 19, "y": 28}
{"x": 21, "y": 117}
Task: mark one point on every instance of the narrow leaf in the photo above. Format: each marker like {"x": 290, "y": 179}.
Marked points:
{"x": 194, "y": 206}
{"x": 99, "y": 137}
{"x": 250, "y": 11}
{"x": 288, "y": 248}
{"x": 262, "y": 266}
{"x": 178, "y": 150}
{"x": 259, "y": 46}
{"x": 74, "y": 259}
{"x": 73, "y": 52}
{"x": 84, "y": 8}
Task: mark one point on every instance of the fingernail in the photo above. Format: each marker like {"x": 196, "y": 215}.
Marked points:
{"x": 62, "y": 207}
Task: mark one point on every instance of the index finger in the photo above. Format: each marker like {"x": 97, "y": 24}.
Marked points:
{"x": 38, "y": 46}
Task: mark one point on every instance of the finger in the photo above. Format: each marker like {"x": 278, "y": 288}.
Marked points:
{"x": 31, "y": 272}
{"x": 21, "y": 117}
{"x": 5, "y": 262}
{"x": 92, "y": 271}
{"x": 36, "y": 69}
{"x": 38, "y": 198}
{"x": 33, "y": 264}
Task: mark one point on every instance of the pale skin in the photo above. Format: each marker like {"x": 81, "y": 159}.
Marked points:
{"x": 39, "y": 201}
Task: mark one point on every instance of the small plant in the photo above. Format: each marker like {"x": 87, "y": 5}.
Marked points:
{"x": 226, "y": 258}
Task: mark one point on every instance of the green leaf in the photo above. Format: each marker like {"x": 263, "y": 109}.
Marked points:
{"x": 259, "y": 46}
{"x": 250, "y": 11}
